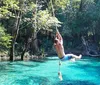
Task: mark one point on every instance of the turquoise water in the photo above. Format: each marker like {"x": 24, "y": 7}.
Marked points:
{"x": 83, "y": 72}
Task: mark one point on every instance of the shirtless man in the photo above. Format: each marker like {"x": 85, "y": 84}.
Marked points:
{"x": 58, "y": 44}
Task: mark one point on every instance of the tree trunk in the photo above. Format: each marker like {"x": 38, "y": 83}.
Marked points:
{"x": 28, "y": 41}
{"x": 12, "y": 52}
{"x": 22, "y": 55}
{"x": 35, "y": 43}
{"x": 25, "y": 49}
{"x": 81, "y": 6}
{"x": 15, "y": 34}
{"x": 85, "y": 45}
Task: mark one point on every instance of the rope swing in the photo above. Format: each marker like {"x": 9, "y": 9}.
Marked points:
{"x": 53, "y": 14}
{"x": 59, "y": 72}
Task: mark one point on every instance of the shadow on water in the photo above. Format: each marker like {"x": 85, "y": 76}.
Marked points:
{"x": 27, "y": 65}
{"x": 24, "y": 64}
{"x": 67, "y": 81}
{"x": 45, "y": 81}
{"x": 33, "y": 81}
{"x": 4, "y": 69}
{"x": 13, "y": 66}
{"x": 74, "y": 82}
{"x": 87, "y": 65}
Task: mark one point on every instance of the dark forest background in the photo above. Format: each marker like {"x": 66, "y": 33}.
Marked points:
{"x": 27, "y": 27}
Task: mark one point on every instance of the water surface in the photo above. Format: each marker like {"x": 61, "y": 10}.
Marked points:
{"x": 82, "y": 72}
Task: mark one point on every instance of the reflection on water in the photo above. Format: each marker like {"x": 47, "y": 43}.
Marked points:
{"x": 83, "y": 72}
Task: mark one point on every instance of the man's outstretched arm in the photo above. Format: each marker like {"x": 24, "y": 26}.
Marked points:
{"x": 58, "y": 36}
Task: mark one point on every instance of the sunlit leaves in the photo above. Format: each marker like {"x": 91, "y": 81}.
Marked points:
{"x": 4, "y": 38}
{"x": 8, "y": 6}
{"x": 53, "y": 21}
{"x": 62, "y": 3}
{"x": 46, "y": 21}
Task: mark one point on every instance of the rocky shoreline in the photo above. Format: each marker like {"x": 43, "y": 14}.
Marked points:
{"x": 5, "y": 57}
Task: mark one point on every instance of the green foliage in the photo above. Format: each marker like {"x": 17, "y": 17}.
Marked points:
{"x": 46, "y": 21}
{"x": 75, "y": 18}
{"x": 7, "y": 6}
{"x": 5, "y": 39}
{"x": 62, "y": 3}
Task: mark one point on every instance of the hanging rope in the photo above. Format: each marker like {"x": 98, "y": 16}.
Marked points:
{"x": 53, "y": 14}
{"x": 36, "y": 15}
{"x": 59, "y": 72}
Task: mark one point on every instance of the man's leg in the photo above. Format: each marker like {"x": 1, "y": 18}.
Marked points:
{"x": 74, "y": 56}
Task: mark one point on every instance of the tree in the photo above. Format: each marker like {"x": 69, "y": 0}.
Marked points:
{"x": 5, "y": 39}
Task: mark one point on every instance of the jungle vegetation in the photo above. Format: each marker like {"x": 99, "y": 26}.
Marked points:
{"x": 28, "y": 26}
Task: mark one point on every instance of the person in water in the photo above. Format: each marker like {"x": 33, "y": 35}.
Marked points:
{"x": 58, "y": 44}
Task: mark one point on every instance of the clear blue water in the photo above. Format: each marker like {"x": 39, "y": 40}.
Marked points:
{"x": 83, "y": 72}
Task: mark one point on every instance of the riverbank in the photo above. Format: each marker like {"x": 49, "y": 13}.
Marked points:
{"x": 5, "y": 57}
{"x": 18, "y": 58}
